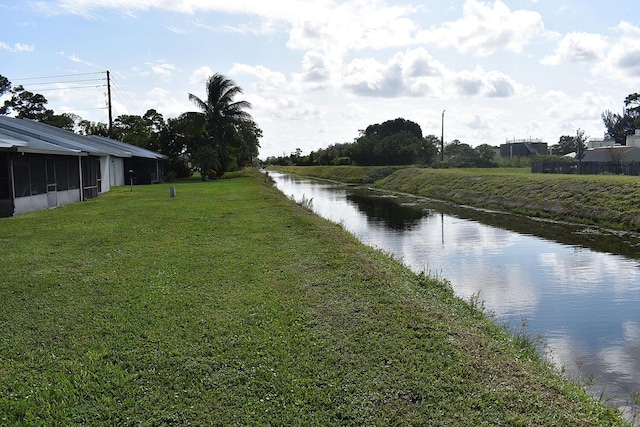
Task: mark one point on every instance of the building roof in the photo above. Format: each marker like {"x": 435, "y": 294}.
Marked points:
{"x": 12, "y": 141}
{"x": 37, "y": 133}
{"x": 133, "y": 150}
{"x": 607, "y": 154}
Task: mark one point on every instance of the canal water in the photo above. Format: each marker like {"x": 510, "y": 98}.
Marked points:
{"x": 575, "y": 288}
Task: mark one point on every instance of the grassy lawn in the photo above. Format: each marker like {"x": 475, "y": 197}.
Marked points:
{"x": 231, "y": 305}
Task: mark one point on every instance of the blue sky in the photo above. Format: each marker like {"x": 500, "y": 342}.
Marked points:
{"x": 316, "y": 72}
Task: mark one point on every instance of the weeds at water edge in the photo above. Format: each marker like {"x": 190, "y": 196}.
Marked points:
{"x": 304, "y": 202}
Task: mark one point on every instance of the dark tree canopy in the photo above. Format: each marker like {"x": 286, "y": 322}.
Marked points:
{"x": 5, "y": 85}
{"x": 566, "y": 144}
{"x": 223, "y": 121}
{"x": 391, "y": 127}
{"x": 619, "y": 126}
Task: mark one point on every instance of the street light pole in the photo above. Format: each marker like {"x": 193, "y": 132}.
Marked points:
{"x": 442, "y": 139}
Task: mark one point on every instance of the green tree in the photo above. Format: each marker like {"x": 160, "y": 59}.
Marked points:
{"x": 392, "y": 127}
{"x": 486, "y": 155}
{"x": 222, "y": 116}
{"x": 177, "y": 138}
{"x": 460, "y": 155}
{"x": 632, "y": 103}
{"x": 619, "y": 126}
{"x": 394, "y": 142}
{"x": 429, "y": 149}
{"x": 5, "y": 86}
{"x": 566, "y": 144}
{"x": 86, "y": 127}
{"x": 29, "y": 105}
{"x": 246, "y": 143}
{"x": 131, "y": 129}
{"x": 26, "y": 105}
{"x": 580, "y": 147}
{"x": 65, "y": 121}
{"x": 632, "y": 109}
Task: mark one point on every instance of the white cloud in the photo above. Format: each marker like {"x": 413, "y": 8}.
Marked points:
{"x": 416, "y": 73}
{"x": 411, "y": 73}
{"x": 77, "y": 60}
{"x": 275, "y": 9}
{"x": 162, "y": 68}
{"x": 578, "y": 47}
{"x": 624, "y": 56}
{"x": 200, "y": 75}
{"x": 162, "y": 100}
{"x": 491, "y": 84}
{"x": 353, "y": 25}
{"x": 17, "y": 47}
{"x": 267, "y": 80}
{"x": 484, "y": 29}
{"x": 479, "y": 123}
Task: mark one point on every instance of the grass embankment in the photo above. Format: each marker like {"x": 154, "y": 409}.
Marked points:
{"x": 231, "y": 305}
{"x": 348, "y": 174}
{"x": 602, "y": 200}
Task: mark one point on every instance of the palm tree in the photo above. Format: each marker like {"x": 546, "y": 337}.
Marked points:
{"x": 222, "y": 118}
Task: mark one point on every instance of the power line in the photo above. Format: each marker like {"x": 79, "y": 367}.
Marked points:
{"x": 83, "y": 109}
{"x": 68, "y": 87}
{"x": 66, "y": 81}
{"x": 123, "y": 96}
{"x": 45, "y": 81}
{"x": 61, "y": 75}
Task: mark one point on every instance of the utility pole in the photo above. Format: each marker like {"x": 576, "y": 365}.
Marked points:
{"x": 442, "y": 139}
{"x": 109, "y": 103}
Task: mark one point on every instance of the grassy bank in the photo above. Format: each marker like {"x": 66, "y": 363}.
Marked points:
{"x": 350, "y": 174}
{"x": 231, "y": 305}
{"x": 603, "y": 200}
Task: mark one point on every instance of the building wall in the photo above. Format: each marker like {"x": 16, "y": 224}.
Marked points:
{"x": 634, "y": 140}
{"x": 41, "y": 201}
{"x": 116, "y": 171}
{"x": 599, "y": 143}
{"x": 521, "y": 149}
{"x": 105, "y": 174}
{"x": 33, "y": 188}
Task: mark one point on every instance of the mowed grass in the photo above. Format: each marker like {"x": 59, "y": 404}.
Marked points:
{"x": 231, "y": 305}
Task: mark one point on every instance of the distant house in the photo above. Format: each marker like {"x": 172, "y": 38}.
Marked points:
{"x": 146, "y": 165}
{"x": 42, "y": 166}
{"x": 36, "y": 175}
{"x": 616, "y": 159}
{"x": 616, "y": 153}
{"x": 634, "y": 140}
{"x": 600, "y": 142}
{"x": 523, "y": 148}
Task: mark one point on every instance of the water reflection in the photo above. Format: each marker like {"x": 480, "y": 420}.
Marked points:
{"x": 582, "y": 296}
{"x": 387, "y": 210}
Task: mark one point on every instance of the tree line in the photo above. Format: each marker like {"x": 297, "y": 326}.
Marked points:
{"x": 400, "y": 142}
{"x": 220, "y": 137}
{"x": 394, "y": 142}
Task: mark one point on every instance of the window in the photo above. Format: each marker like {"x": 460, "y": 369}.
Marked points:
{"x": 74, "y": 173}
{"x": 5, "y": 184}
{"x": 38, "y": 174}
{"x": 62, "y": 172}
{"x": 21, "y": 176}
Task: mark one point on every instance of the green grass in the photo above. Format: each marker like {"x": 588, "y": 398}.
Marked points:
{"x": 231, "y": 305}
{"x": 351, "y": 174}
{"x": 611, "y": 201}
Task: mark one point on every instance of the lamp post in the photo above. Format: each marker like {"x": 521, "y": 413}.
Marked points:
{"x": 442, "y": 139}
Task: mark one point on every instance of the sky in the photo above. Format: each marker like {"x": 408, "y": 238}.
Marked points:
{"x": 316, "y": 72}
